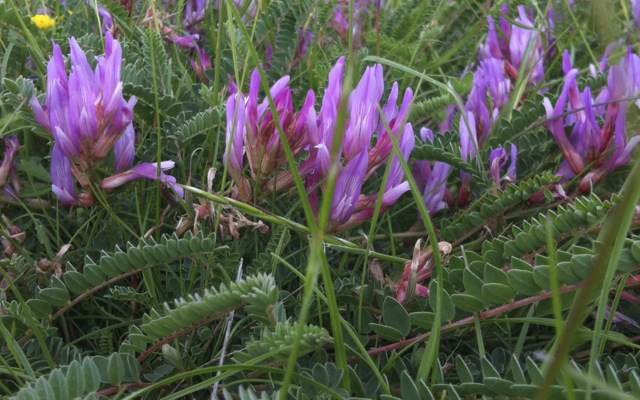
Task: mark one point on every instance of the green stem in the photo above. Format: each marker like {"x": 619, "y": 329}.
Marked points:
{"x": 612, "y": 238}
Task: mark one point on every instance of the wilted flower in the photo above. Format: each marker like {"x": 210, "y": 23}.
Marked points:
{"x": 417, "y": 271}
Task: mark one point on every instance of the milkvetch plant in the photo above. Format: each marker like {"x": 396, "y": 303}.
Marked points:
{"x": 276, "y": 142}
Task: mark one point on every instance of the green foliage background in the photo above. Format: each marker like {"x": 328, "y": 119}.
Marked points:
{"x": 256, "y": 301}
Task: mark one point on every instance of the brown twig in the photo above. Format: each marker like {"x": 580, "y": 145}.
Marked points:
{"x": 469, "y": 320}
{"x": 585, "y": 353}
{"x": 91, "y": 291}
{"x": 126, "y": 386}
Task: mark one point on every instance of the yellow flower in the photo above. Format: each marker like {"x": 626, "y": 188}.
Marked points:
{"x": 43, "y": 21}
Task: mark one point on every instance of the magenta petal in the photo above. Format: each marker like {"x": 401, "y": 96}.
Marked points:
{"x": 468, "y": 138}
{"x": 144, "y": 171}
{"x": 124, "y": 149}
{"x": 497, "y": 159}
{"x": 348, "y": 188}
{"x": 61, "y": 177}
{"x": 426, "y": 134}
{"x": 511, "y": 170}
{"x": 42, "y": 116}
{"x": 566, "y": 62}
{"x": 235, "y": 129}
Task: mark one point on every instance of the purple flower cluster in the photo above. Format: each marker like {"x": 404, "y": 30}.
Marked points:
{"x": 358, "y": 159}
{"x": 519, "y": 46}
{"x": 251, "y": 131}
{"x": 87, "y": 116}
{"x": 510, "y": 51}
{"x": 251, "y": 128}
{"x": 599, "y": 147}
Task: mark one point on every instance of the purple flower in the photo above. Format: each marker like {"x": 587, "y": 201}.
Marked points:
{"x": 86, "y": 113}
{"x": 88, "y": 117}
{"x": 555, "y": 124}
{"x": 363, "y": 112}
{"x": 476, "y": 106}
{"x": 468, "y": 137}
{"x": 340, "y": 20}
{"x": 525, "y": 46}
{"x": 107, "y": 20}
{"x": 396, "y": 186}
{"x": 62, "y": 183}
{"x": 363, "y": 123}
{"x": 256, "y": 131}
{"x": 635, "y": 12}
{"x": 468, "y": 150}
{"x": 575, "y": 98}
{"x": 304, "y": 40}
{"x": 124, "y": 149}
{"x": 347, "y": 189}
{"x": 511, "y": 170}
{"x": 632, "y": 67}
{"x": 234, "y": 151}
{"x": 188, "y": 41}
{"x": 201, "y": 64}
{"x": 498, "y": 159}
{"x": 194, "y": 11}
{"x": 395, "y": 118}
{"x": 144, "y": 171}
{"x": 499, "y": 85}
{"x": 516, "y": 44}
{"x": 431, "y": 180}
{"x": 605, "y": 147}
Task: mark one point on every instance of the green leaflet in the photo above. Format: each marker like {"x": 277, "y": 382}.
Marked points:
{"x": 275, "y": 345}
{"x": 81, "y": 380}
